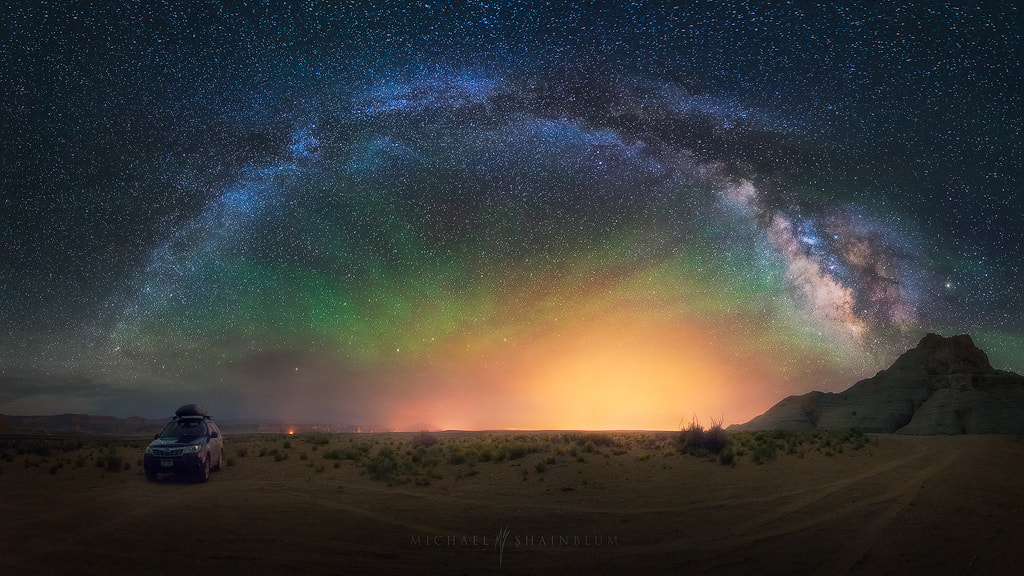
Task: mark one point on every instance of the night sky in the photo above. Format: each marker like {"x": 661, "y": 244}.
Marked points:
{"x": 502, "y": 214}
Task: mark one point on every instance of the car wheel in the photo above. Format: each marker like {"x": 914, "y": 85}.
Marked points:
{"x": 204, "y": 472}
{"x": 151, "y": 475}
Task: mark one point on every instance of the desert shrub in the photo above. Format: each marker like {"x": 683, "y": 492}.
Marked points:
{"x": 716, "y": 438}
{"x": 343, "y": 454}
{"x": 242, "y": 452}
{"x": 432, "y": 457}
{"x": 541, "y": 467}
{"x": 456, "y": 457}
{"x": 516, "y": 450}
{"x": 303, "y": 456}
{"x": 231, "y": 461}
{"x": 763, "y": 451}
{"x": 54, "y": 468}
{"x": 280, "y": 456}
{"x": 383, "y": 466}
{"x": 602, "y": 439}
{"x": 427, "y": 457}
{"x": 263, "y": 451}
{"x": 114, "y": 463}
{"x": 694, "y": 439}
{"x": 691, "y": 439}
{"x": 318, "y": 440}
{"x": 424, "y": 439}
{"x": 513, "y": 452}
{"x": 287, "y": 444}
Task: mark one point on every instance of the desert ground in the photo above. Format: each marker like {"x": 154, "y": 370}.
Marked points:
{"x": 519, "y": 503}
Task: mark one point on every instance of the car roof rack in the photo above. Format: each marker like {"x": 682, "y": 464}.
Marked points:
{"x": 191, "y": 410}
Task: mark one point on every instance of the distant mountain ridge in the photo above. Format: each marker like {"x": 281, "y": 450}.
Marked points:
{"x": 138, "y": 426}
{"x": 942, "y": 386}
{"x": 80, "y": 424}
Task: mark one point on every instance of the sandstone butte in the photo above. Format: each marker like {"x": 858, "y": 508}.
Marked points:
{"x": 942, "y": 386}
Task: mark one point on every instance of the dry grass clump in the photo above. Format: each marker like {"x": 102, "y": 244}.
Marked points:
{"x": 695, "y": 440}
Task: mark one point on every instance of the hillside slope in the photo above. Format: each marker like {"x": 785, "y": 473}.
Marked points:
{"x": 942, "y": 386}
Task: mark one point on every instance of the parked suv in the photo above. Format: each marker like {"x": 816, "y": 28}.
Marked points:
{"x": 189, "y": 444}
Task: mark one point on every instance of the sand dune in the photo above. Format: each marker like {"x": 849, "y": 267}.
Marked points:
{"x": 939, "y": 505}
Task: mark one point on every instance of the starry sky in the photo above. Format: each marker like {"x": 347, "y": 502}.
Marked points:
{"x": 499, "y": 214}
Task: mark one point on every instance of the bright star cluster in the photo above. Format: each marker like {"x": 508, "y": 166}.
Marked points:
{"x": 499, "y": 215}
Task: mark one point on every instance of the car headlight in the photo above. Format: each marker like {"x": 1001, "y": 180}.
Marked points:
{"x": 192, "y": 449}
{"x": 149, "y": 450}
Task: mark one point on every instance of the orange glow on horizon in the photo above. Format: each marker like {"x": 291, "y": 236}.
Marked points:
{"x": 609, "y": 373}
{"x": 620, "y": 375}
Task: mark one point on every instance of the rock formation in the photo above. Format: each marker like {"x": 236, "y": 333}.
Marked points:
{"x": 942, "y": 386}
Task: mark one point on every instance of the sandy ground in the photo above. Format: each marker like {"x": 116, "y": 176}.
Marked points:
{"x": 936, "y": 505}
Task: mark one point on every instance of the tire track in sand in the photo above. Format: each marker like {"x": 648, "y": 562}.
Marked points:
{"x": 780, "y": 520}
{"x": 901, "y": 497}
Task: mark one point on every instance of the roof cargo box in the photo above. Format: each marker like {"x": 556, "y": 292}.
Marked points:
{"x": 191, "y": 410}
